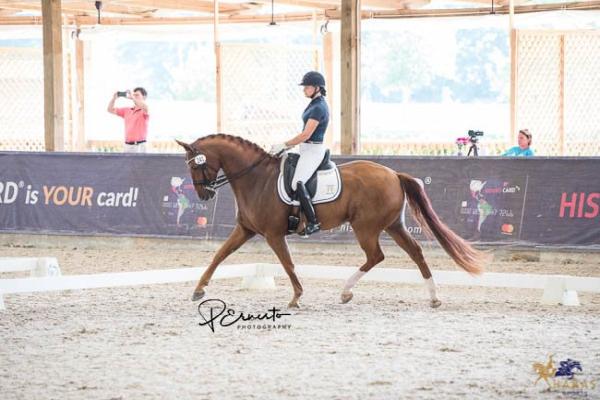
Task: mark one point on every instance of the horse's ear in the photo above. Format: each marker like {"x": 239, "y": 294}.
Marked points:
{"x": 185, "y": 146}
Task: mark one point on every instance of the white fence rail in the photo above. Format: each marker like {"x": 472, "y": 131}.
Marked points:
{"x": 555, "y": 286}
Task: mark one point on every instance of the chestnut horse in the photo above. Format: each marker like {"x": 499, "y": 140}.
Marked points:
{"x": 373, "y": 200}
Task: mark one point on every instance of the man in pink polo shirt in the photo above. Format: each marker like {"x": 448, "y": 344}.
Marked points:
{"x": 136, "y": 119}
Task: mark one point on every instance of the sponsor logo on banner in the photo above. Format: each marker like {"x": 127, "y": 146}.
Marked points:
{"x": 579, "y": 205}
{"x": 63, "y": 195}
{"x": 182, "y": 209}
{"x": 492, "y": 208}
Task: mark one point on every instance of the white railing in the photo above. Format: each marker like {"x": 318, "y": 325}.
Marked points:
{"x": 558, "y": 289}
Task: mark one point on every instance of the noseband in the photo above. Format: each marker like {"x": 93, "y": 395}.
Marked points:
{"x": 200, "y": 162}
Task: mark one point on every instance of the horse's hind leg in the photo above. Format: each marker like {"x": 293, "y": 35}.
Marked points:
{"x": 238, "y": 237}
{"x": 412, "y": 247}
{"x": 369, "y": 242}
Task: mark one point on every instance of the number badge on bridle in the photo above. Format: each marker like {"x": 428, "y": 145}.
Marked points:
{"x": 200, "y": 159}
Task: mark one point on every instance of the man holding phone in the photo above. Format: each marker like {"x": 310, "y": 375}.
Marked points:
{"x": 136, "y": 119}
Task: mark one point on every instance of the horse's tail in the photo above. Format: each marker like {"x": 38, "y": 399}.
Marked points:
{"x": 467, "y": 257}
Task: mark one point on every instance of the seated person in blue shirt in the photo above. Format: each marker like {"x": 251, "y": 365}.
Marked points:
{"x": 523, "y": 149}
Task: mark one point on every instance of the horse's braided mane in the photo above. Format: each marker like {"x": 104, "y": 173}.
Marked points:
{"x": 243, "y": 142}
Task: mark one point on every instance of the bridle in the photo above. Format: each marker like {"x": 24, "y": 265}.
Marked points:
{"x": 201, "y": 163}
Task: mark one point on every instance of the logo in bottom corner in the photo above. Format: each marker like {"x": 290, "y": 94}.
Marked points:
{"x": 567, "y": 376}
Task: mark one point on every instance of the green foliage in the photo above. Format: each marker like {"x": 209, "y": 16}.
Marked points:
{"x": 407, "y": 66}
{"x": 171, "y": 70}
{"x": 392, "y": 65}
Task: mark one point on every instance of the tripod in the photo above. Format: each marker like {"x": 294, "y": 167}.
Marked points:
{"x": 473, "y": 148}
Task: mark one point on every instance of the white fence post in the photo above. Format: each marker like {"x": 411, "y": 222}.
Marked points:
{"x": 260, "y": 280}
{"x": 557, "y": 291}
{"x": 46, "y": 266}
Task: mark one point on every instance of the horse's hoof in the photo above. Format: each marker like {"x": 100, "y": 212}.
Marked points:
{"x": 346, "y": 297}
{"x": 198, "y": 295}
{"x": 435, "y": 303}
{"x": 293, "y": 304}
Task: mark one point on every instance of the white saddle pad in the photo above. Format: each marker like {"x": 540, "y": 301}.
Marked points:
{"x": 329, "y": 187}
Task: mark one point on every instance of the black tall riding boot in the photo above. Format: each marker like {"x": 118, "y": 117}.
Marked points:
{"x": 307, "y": 208}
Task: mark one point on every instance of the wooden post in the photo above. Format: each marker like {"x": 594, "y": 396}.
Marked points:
{"x": 315, "y": 38}
{"x": 80, "y": 143}
{"x": 350, "y": 76}
{"x": 53, "y": 76}
{"x": 69, "y": 139}
{"x": 512, "y": 135}
{"x": 328, "y": 60}
{"x": 218, "y": 76}
{"x": 561, "y": 94}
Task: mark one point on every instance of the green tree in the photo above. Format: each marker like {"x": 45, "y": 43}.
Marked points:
{"x": 393, "y": 65}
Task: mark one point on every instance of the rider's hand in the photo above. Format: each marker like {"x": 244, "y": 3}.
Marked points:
{"x": 277, "y": 149}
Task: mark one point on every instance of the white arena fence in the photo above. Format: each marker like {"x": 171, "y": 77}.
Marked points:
{"x": 37, "y": 266}
{"x": 558, "y": 289}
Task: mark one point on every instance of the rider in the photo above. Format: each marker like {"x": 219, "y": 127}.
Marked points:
{"x": 312, "y": 150}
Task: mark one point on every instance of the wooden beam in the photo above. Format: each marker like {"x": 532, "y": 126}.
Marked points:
{"x": 387, "y": 4}
{"x": 561, "y": 98}
{"x": 350, "y": 76}
{"x": 328, "y": 62}
{"x": 336, "y": 4}
{"x": 488, "y": 3}
{"x": 80, "y": 73}
{"x": 188, "y": 5}
{"x": 465, "y": 12}
{"x": 508, "y": 2}
{"x": 85, "y": 8}
{"x": 320, "y": 4}
{"x": 514, "y": 78}
{"x": 315, "y": 44}
{"x": 218, "y": 75}
{"x": 415, "y": 4}
{"x": 53, "y": 76}
{"x": 5, "y": 12}
{"x": 224, "y": 18}
{"x": 513, "y": 72}
{"x": 306, "y": 16}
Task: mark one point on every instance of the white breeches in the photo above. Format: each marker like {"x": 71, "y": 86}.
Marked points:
{"x": 135, "y": 148}
{"x": 311, "y": 155}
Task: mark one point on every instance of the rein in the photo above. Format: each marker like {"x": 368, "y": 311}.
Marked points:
{"x": 221, "y": 180}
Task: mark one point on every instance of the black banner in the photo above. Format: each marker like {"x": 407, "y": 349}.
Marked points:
{"x": 537, "y": 201}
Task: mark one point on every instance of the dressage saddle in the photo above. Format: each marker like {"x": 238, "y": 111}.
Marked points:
{"x": 289, "y": 168}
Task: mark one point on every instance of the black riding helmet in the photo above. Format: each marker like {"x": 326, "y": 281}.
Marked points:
{"x": 313, "y": 78}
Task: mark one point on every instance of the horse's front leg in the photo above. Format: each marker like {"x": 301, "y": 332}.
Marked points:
{"x": 280, "y": 247}
{"x": 238, "y": 237}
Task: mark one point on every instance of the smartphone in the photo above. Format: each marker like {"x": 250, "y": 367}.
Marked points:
{"x": 122, "y": 94}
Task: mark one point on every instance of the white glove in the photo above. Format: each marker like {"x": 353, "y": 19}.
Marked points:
{"x": 277, "y": 149}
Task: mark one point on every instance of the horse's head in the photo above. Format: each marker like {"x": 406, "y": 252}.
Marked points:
{"x": 204, "y": 167}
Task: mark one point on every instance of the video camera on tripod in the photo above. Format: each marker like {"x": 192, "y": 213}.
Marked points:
{"x": 473, "y": 135}
{"x": 473, "y": 138}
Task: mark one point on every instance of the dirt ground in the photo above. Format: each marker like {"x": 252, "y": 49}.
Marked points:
{"x": 145, "y": 342}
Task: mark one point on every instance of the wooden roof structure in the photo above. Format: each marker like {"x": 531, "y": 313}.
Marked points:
{"x": 173, "y": 12}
